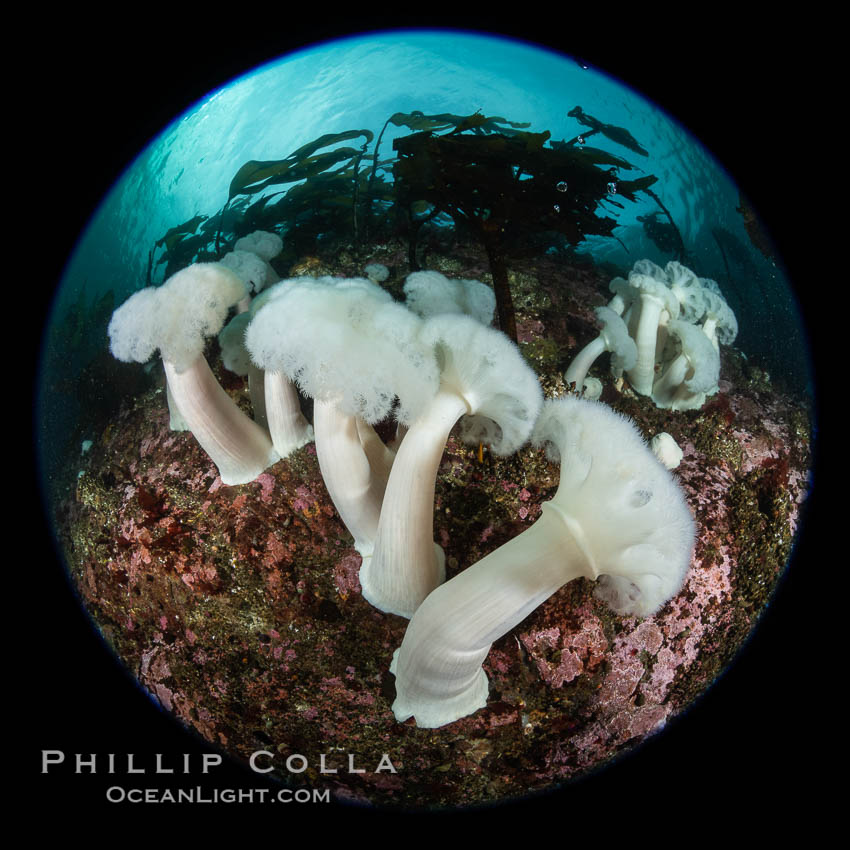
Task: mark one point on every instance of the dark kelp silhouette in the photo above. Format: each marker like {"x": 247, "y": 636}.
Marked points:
{"x": 173, "y": 236}
{"x": 666, "y": 236}
{"x": 754, "y": 229}
{"x": 616, "y": 134}
{"x": 731, "y": 247}
{"x": 507, "y": 189}
{"x": 661, "y": 233}
{"x": 304, "y": 163}
{"x": 419, "y": 122}
{"x": 254, "y": 176}
{"x": 325, "y": 181}
{"x": 512, "y": 190}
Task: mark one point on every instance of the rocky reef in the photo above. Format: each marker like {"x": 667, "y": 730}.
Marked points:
{"x": 239, "y": 608}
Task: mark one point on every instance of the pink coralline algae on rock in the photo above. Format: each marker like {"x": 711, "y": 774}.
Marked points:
{"x": 579, "y": 651}
{"x": 239, "y": 608}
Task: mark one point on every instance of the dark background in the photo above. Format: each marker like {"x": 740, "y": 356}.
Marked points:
{"x": 95, "y": 92}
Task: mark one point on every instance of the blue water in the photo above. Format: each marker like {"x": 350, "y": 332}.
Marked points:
{"x": 358, "y": 83}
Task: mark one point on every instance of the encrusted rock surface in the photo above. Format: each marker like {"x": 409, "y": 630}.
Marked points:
{"x": 239, "y": 608}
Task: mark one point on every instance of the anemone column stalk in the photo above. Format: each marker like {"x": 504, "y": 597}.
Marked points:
{"x": 439, "y": 677}
{"x": 237, "y": 445}
{"x": 407, "y": 565}
{"x": 354, "y": 489}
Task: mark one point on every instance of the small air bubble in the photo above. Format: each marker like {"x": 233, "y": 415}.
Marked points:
{"x": 612, "y": 188}
{"x": 562, "y": 186}
{"x": 556, "y": 208}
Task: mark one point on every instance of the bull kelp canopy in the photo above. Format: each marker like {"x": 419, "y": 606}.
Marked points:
{"x": 513, "y": 190}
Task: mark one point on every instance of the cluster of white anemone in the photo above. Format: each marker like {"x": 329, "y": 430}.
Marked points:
{"x": 663, "y": 328}
{"x": 618, "y": 516}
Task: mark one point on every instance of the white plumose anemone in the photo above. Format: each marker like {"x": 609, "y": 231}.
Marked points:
{"x": 430, "y": 293}
{"x": 482, "y": 373}
{"x": 618, "y": 516}
{"x": 692, "y": 374}
{"x": 657, "y": 305}
{"x": 176, "y": 318}
{"x": 352, "y": 349}
{"x": 615, "y": 338}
